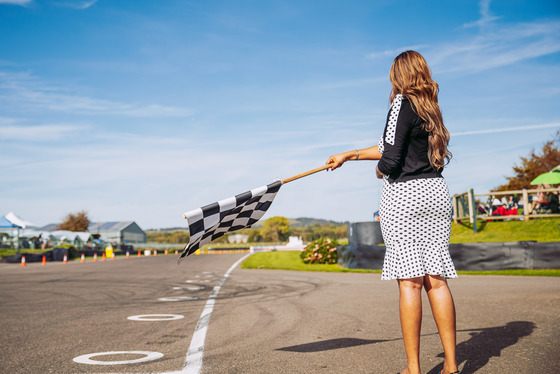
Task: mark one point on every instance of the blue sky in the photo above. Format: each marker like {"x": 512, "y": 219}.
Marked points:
{"x": 142, "y": 110}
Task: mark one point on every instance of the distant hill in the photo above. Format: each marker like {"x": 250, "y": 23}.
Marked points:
{"x": 306, "y": 222}
{"x": 169, "y": 229}
{"x": 295, "y": 222}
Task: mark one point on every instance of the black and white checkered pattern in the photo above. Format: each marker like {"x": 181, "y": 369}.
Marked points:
{"x": 214, "y": 220}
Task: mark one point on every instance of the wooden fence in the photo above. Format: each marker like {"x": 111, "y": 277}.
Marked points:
{"x": 466, "y": 206}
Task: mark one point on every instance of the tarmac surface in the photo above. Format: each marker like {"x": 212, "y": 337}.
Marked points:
{"x": 263, "y": 321}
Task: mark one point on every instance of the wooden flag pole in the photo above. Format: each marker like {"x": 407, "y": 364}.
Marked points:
{"x": 306, "y": 173}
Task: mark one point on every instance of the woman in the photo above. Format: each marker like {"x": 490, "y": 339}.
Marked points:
{"x": 415, "y": 208}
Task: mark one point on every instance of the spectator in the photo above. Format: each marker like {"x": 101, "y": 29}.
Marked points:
{"x": 540, "y": 201}
{"x": 553, "y": 202}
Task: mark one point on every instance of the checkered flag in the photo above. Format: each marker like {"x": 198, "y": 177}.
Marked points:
{"x": 214, "y": 220}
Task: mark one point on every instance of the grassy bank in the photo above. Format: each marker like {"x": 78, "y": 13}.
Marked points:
{"x": 290, "y": 260}
{"x": 542, "y": 230}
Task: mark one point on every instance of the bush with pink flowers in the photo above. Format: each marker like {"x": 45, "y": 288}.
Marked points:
{"x": 320, "y": 251}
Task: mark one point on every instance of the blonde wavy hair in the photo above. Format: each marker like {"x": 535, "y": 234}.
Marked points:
{"x": 411, "y": 77}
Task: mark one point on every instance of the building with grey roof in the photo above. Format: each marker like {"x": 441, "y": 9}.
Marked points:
{"x": 126, "y": 232}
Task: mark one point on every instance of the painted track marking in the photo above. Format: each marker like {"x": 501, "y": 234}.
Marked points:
{"x": 178, "y": 298}
{"x": 193, "y": 363}
{"x": 86, "y": 359}
{"x": 190, "y": 288}
{"x": 156, "y": 317}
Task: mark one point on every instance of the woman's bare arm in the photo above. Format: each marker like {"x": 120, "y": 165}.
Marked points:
{"x": 371, "y": 153}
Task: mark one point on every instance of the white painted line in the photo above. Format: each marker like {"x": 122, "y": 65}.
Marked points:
{"x": 86, "y": 359}
{"x": 198, "y": 281}
{"x": 156, "y": 317}
{"x": 193, "y": 362}
{"x": 178, "y": 298}
{"x": 191, "y": 288}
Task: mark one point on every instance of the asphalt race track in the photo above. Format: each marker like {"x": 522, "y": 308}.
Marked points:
{"x": 263, "y": 321}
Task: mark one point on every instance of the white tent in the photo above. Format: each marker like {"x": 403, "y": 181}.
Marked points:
{"x": 18, "y": 221}
{"x": 71, "y": 235}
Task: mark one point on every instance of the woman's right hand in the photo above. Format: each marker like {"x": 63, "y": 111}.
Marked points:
{"x": 336, "y": 161}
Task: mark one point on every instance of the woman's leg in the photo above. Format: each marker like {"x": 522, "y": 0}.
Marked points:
{"x": 410, "y": 310}
{"x": 443, "y": 309}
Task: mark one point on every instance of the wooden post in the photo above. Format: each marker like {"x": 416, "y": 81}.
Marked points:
{"x": 455, "y": 211}
{"x": 472, "y": 210}
{"x": 526, "y": 207}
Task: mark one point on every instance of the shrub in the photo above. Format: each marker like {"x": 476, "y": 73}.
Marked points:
{"x": 72, "y": 251}
{"x": 320, "y": 251}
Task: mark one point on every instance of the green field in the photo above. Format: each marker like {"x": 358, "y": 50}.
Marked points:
{"x": 290, "y": 260}
{"x": 542, "y": 230}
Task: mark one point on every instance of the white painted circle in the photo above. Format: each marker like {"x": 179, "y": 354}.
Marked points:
{"x": 156, "y": 317}
{"x": 86, "y": 359}
{"x": 178, "y": 298}
{"x": 195, "y": 288}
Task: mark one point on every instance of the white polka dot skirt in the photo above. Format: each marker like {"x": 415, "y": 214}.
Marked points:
{"x": 416, "y": 224}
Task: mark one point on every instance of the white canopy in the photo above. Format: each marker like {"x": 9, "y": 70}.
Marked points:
{"x": 17, "y": 221}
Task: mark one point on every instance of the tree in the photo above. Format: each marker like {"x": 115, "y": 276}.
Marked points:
{"x": 75, "y": 222}
{"x": 254, "y": 236}
{"x": 534, "y": 165}
{"x": 276, "y": 229}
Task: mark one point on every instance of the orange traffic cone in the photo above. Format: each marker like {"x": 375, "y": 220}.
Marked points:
{"x": 83, "y": 259}
{"x": 23, "y": 261}
{"x": 103, "y": 258}
{"x": 155, "y": 252}
{"x": 127, "y": 254}
{"x": 113, "y": 256}
{"x": 95, "y": 257}
{"x": 44, "y": 262}
{"x": 165, "y": 253}
{"x": 65, "y": 259}
{"x": 139, "y": 254}
{"x": 176, "y": 252}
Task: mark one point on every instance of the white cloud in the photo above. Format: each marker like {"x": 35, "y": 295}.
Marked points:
{"x": 16, "y": 2}
{"x": 486, "y": 18}
{"x": 507, "y": 129}
{"x": 25, "y": 90}
{"x": 76, "y": 4}
{"x": 503, "y": 46}
{"x": 391, "y": 53}
{"x": 37, "y": 133}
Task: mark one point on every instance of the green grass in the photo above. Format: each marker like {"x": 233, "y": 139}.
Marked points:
{"x": 542, "y": 230}
{"x": 290, "y": 260}
{"x": 10, "y": 251}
